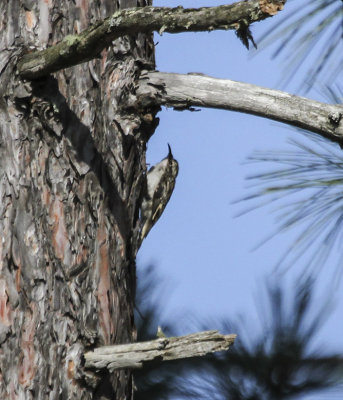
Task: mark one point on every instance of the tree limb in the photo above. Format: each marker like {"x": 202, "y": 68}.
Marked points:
{"x": 184, "y": 91}
{"x": 134, "y": 355}
{"x": 75, "y": 49}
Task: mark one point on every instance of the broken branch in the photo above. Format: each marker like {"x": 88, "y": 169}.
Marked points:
{"x": 134, "y": 355}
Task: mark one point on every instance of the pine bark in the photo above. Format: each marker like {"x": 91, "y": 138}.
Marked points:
{"x": 72, "y": 163}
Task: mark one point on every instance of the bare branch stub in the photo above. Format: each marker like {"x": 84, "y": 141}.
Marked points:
{"x": 134, "y": 355}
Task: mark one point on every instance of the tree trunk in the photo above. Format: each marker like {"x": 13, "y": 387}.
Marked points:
{"x": 72, "y": 164}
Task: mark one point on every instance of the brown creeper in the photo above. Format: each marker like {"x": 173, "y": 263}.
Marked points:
{"x": 160, "y": 185}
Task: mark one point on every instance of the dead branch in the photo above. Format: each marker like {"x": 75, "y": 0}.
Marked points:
{"x": 75, "y": 49}
{"x": 134, "y": 355}
{"x": 184, "y": 91}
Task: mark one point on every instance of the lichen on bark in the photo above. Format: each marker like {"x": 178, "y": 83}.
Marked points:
{"x": 93, "y": 40}
{"x": 72, "y": 162}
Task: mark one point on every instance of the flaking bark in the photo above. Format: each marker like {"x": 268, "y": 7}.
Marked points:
{"x": 72, "y": 174}
{"x": 75, "y": 49}
{"x": 72, "y": 163}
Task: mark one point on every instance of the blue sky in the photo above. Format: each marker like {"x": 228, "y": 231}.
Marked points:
{"x": 202, "y": 252}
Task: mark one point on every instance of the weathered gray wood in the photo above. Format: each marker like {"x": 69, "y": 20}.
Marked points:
{"x": 183, "y": 91}
{"x": 75, "y": 49}
{"x": 134, "y": 355}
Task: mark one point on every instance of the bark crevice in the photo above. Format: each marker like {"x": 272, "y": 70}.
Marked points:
{"x": 72, "y": 161}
